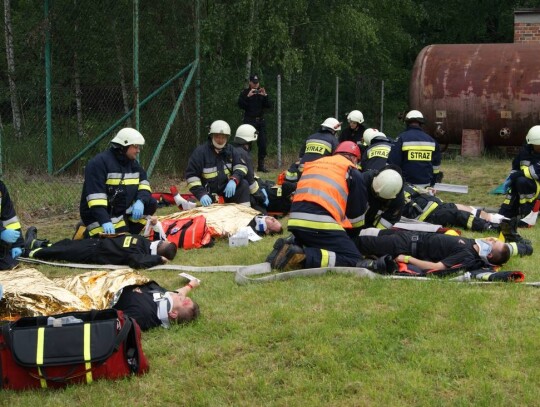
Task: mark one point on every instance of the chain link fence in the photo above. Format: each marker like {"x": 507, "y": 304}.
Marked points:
{"x": 91, "y": 89}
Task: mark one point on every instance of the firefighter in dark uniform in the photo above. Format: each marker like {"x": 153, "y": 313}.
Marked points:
{"x": 152, "y": 305}
{"x": 280, "y": 196}
{"x": 11, "y": 241}
{"x": 253, "y": 101}
{"x": 355, "y": 131}
{"x": 245, "y": 135}
{"x": 378, "y": 147}
{"x": 116, "y": 194}
{"x": 523, "y": 183}
{"x": 417, "y": 153}
{"x": 320, "y": 144}
{"x": 292, "y": 175}
{"x": 423, "y": 206}
{"x": 437, "y": 251}
{"x": 385, "y": 199}
{"x": 329, "y": 197}
{"x": 216, "y": 170}
{"x": 133, "y": 250}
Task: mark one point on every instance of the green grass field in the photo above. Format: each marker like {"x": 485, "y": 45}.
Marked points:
{"x": 334, "y": 340}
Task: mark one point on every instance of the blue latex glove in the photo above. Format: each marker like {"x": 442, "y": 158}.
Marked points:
{"x": 266, "y": 200}
{"x": 108, "y": 228}
{"x": 230, "y": 189}
{"x": 10, "y": 235}
{"x": 16, "y": 252}
{"x": 138, "y": 209}
{"x": 206, "y": 201}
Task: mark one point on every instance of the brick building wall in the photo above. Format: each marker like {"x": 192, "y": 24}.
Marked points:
{"x": 527, "y": 26}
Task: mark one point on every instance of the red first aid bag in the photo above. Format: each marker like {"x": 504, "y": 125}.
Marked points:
{"x": 187, "y": 233}
{"x": 102, "y": 344}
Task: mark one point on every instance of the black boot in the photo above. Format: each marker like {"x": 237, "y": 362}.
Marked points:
{"x": 286, "y": 255}
{"x": 492, "y": 227}
{"x": 261, "y": 167}
{"x": 31, "y": 242}
{"x": 510, "y": 233}
{"x": 278, "y": 244}
{"x": 382, "y": 265}
{"x": 290, "y": 257}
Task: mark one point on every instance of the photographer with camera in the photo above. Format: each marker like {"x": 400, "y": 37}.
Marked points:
{"x": 253, "y": 100}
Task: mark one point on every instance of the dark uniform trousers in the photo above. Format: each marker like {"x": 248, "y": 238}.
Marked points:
{"x": 391, "y": 243}
{"x": 514, "y": 204}
{"x": 317, "y": 244}
{"x": 131, "y": 250}
{"x": 447, "y": 214}
{"x": 260, "y": 125}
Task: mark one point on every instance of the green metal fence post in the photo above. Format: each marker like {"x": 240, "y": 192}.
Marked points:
{"x": 125, "y": 117}
{"x": 48, "y": 98}
{"x": 173, "y": 115}
{"x": 198, "y": 80}
{"x": 136, "y": 106}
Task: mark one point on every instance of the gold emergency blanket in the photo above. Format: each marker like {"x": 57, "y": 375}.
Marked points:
{"x": 27, "y": 292}
{"x": 222, "y": 219}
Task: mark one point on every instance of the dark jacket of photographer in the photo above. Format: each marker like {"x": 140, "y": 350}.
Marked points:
{"x": 112, "y": 182}
{"x": 253, "y": 106}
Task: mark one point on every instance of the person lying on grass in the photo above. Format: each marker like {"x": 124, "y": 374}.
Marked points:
{"x": 435, "y": 251}
{"x": 29, "y": 293}
{"x": 134, "y": 251}
{"x": 152, "y": 305}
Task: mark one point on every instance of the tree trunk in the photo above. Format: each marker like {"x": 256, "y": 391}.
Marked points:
{"x": 125, "y": 96}
{"x": 77, "y": 80}
{"x": 78, "y": 94}
{"x": 10, "y": 55}
{"x": 249, "y": 55}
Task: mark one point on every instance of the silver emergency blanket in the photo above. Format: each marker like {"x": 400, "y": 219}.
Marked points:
{"x": 27, "y": 292}
{"x": 222, "y": 219}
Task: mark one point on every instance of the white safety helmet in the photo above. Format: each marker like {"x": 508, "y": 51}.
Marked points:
{"x": 331, "y": 124}
{"x": 414, "y": 116}
{"x": 387, "y": 184}
{"x": 127, "y": 137}
{"x": 370, "y": 134}
{"x": 356, "y": 116}
{"x": 220, "y": 127}
{"x": 245, "y": 133}
{"x": 533, "y": 136}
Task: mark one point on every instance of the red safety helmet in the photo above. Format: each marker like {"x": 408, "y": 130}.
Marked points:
{"x": 348, "y": 147}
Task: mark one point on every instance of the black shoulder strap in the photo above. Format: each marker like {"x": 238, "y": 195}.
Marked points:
{"x": 6, "y": 333}
{"x": 131, "y": 347}
{"x": 122, "y": 335}
{"x": 183, "y": 232}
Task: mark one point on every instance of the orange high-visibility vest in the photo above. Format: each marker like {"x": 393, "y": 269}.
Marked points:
{"x": 324, "y": 182}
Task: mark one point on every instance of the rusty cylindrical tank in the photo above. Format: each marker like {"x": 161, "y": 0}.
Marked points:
{"x": 490, "y": 87}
